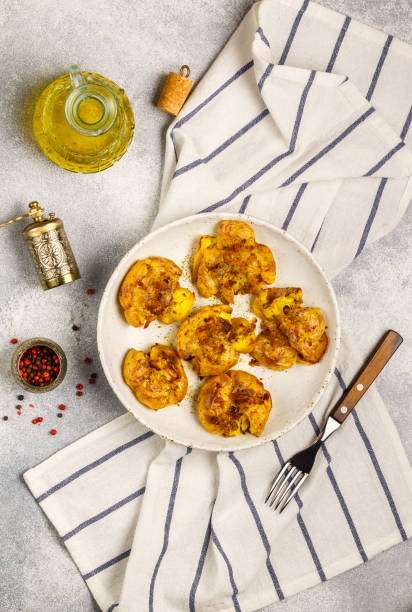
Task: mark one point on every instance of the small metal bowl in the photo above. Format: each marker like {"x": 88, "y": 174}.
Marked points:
{"x": 22, "y": 348}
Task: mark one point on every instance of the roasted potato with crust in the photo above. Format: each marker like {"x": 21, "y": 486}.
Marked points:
{"x": 156, "y": 378}
{"x": 179, "y": 306}
{"x": 233, "y": 403}
{"x": 232, "y": 262}
{"x": 272, "y": 350}
{"x": 150, "y": 290}
{"x": 287, "y": 322}
{"x": 242, "y": 335}
{"x": 274, "y": 302}
{"x": 211, "y": 340}
{"x": 305, "y": 329}
{"x": 314, "y": 352}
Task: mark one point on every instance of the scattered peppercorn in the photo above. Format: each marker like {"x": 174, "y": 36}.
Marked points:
{"x": 91, "y": 381}
{"x": 53, "y": 432}
{"x": 19, "y": 406}
{"x": 39, "y": 366}
{"x": 5, "y": 418}
{"x": 39, "y": 419}
{"x": 34, "y": 421}
{"x": 31, "y": 405}
{"x": 14, "y": 341}
{"x": 79, "y": 386}
{"x": 75, "y": 327}
{"x": 62, "y": 406}
{"x": 90, "y": 291}
{"x": 94, "y": 375}
{"x": 59, "y": 415}
{"x": 19, "y": 412}
{"x": 20, "y": 398}
{"x": 79, "y": 393}
{"x": 87, "y": 360}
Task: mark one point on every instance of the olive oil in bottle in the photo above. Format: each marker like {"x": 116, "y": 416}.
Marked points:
{"x": 83, "y": 122}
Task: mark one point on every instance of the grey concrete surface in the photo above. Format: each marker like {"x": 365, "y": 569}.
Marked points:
{"x": 136, "y": 44}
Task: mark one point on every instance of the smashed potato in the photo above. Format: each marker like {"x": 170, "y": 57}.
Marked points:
{"x": 314, "y": 352}
{"x": 272, "y": 350}
{"x": 212, "y": 340}
{"x": 156, "y": 378}
{"x": 242, "y": 335}
{"x": 232, "y": 262}
{"x": 179, "y": 306}
{"x": 233, "y": 403}
{"x": 305, "y": 330}
{"x": 290, "y": 332}
{"x": 150, "y": 290}
{"x": 274, "y": 302}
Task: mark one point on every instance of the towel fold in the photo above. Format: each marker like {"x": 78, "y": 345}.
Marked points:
{"x": 302, "y": 120}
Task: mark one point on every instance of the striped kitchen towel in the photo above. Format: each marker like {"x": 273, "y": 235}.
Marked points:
{"x": 302, "y": 120}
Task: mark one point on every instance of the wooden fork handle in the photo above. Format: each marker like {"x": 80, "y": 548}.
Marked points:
{"x": 375, "y": 364}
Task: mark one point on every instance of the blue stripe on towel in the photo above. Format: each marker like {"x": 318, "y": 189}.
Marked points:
{"x": 301, "y": 522}
{"x": 229, "y": 569}
{"x": 338, "y": 44}
{"x": 380, "y": 475}
{"x": 112, "y": 607}
{"x": 288, "y": 44}
{"x": 406, "y": 125}
{"x": 384, "y": 159}
{"x": 293, "y": 31}
{"x": 329, "y": 147}
{"x": 224, "y": 145}
{"x": 294, "y": 206}
{"x": 113, "y": 561}
{"x": 278, "y": 453}
{"x": 262, "y": 36}
{"x": 278, "y": 158}
{"x": 259, "y": 525}
{"x": 229, "y": 81}
{"x": 168, "y": 522}
{"x": 103, "y": 514}
{"x": 265, "y": 75}
{"x": 199, "y": 568}
{"x": 379, "y": 68}
{"x": 371, "y": 217}
{"x": 213, "y": 95}
{"x": 263, "y": 78}
{"x": 244, "y": 205}
{"x": 312, "y": 248}
{"x": 375, "y": 463}
{"x": 330, "y": 65}
{"x": 304, "y": 185}
{"x": 378, "y": 196}
{"x": 340, "y": 379}
{"x": 94, "y": 464}
{"x": 299, "y": 113}
{"x": 339, "y": 495}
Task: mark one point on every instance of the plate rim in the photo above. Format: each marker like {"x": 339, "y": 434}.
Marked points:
{"x": 249, "y": 442}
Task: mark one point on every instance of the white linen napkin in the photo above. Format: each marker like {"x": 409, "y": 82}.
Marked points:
{"x": 302, "y": 120}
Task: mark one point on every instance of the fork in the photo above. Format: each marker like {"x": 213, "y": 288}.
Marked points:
{"x": 297, "y": 469}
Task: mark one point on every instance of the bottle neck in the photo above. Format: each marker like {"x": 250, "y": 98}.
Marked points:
{"x": 91, "y": 109}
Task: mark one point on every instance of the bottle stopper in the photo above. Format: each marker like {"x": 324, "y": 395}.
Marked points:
{"x": 175, "y": 91}
{"x": 49, "y": 248}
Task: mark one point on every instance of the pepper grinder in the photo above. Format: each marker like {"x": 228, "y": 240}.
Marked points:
{"x": 49, "y": 248}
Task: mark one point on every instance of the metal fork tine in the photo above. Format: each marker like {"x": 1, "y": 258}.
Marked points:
{"x": 279, "y": 493}
{"x": 280, "y": 498}
{"x": 277, "y": 480}
{"x": 293, "y": 493}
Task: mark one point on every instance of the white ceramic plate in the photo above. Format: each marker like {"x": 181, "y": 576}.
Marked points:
{"x": 294, "y": 392}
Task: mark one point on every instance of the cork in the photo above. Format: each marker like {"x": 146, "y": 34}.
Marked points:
{"x": 175, "y": 91}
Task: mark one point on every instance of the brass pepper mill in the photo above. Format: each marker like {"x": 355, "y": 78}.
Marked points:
{"x": 49, "y": 248}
